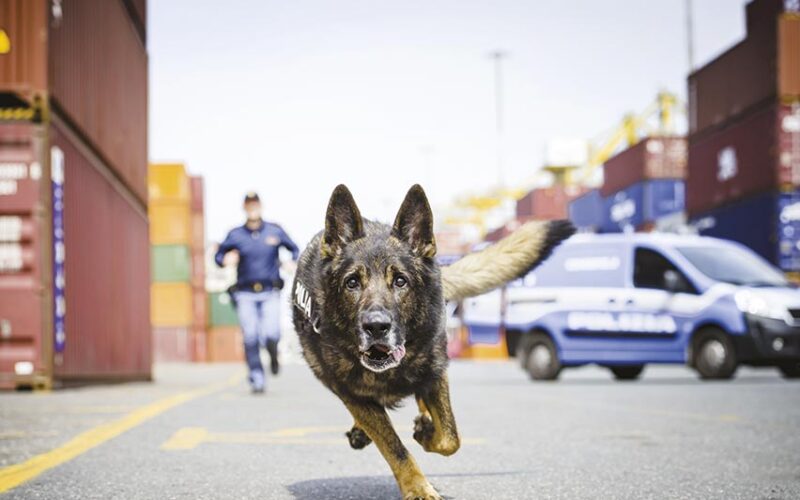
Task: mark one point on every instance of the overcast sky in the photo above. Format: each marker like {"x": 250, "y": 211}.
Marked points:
{"x": 292, "y": 97}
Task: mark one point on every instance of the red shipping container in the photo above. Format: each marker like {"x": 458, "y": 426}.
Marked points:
{"x": 549, "y": 203}
{"x": 197, "y": 194}
{"x": 24, "y": 68}
{"x": 199, "y": 308}
{"x": 199, "y": 345}
{"x": 97, "y": 76}
{"x": 108, "y": 333}
{"x": 650, "y": 158}
{"x": 225, "y": 344}
{"x": 172, "y": 344}
{"x": 757, "y": 153}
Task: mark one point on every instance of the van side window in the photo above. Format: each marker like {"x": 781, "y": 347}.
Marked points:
{"x": 650, "y": 269}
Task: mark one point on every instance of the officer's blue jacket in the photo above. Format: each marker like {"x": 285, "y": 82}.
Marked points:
{"x": 258, "y": 253}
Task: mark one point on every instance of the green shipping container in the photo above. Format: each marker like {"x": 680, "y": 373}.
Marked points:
{"x": 222, "y": 311}
{"x": 170, "y": 263}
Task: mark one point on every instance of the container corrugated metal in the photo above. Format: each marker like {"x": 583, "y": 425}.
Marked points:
{"x": 789, "y": 57}
{"x": 171, "y": 304}
{"x": 197, "y": 193}
{"x": 198, "y": 270}
{"x": 198, "y": 232}
{"x": 168, "y": 182}
{"x": 170, "y": 223}
{"x": 768, "y": 223}
{"x": 650, "y": 158}
{"x": 108, "y": 333}
{"x": 548, "y": 203}
{"x": 225, "y": 344}
{"x": 221, "y": 310}
{"x": 199, "y": 344}
{"x": 199, "y": 308}
{"x": 170, "y": 263}
{"x": 97, "y": 72}
{"x": 24, "y": 301}
{"x": 586, "y": 211}
{"x": 642, "y": 204}
{"x": 24, "y": 68}
{"x": 758, "y": 153}
{"x": 172, "y": 344}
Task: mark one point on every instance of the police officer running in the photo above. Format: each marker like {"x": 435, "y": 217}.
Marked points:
{"x": 253, "y": 248}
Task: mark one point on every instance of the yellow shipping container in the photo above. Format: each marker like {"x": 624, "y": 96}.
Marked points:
{"x": 170, "y": 223}
{"x": 171, "y": 304}
{"x": 168, "y": 182}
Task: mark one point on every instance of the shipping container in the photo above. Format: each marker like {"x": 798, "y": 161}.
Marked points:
{"x": 170, "y": 223}
{"x": 199, "y": 308}
{"x": 225, "y": 344}
{"x": 172, "y": 344}
{"x": 768, "y": 223}
{"x": 107, "y": 285}
{"x": 548, "y": 203}
{"x": 752, "y": 73}
{"x": 789, "y": 57}
{"x": 650, "y": 158}
{"x": 23, "y": 69}
{"x": 643, "y": 203}
{"x": 170, "y": 263}
{"x": 171, "y": 304}
{"x": 168, "y": 182}
{"x": 199, "y": 344}
{"x": 221, "y": 311}
{"x": 586, "y": 211}
{"x": 197, "y": 194}
{"x": 97, "y": 76}
{"x": 757, "y": 153}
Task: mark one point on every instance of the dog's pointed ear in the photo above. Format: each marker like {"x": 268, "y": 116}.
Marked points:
{"x": 414, "y": 223}
{"x": 343, "y": 222}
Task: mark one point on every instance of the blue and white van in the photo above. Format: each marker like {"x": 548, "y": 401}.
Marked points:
{"x": 626, "y": 300}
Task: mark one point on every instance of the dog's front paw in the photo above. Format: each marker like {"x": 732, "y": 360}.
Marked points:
{"x": 422, "y": 490}
{"x": 424, "y": 430}
{"x": 358, "y": 438}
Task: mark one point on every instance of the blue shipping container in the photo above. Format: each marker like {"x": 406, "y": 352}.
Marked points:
{"x": 769, "y": 224}
{"x": 586, "y": 211}
{"x": 641, "y": 203}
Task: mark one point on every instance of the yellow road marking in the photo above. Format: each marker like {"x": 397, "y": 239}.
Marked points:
{"x": 14, "y": 475}
{"x": 188, "y": 438}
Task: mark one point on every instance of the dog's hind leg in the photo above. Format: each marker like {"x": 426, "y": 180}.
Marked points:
{"x": 358, "y": 438}
{"x": 372, "y": 419}
{"x": 435, "y": 426}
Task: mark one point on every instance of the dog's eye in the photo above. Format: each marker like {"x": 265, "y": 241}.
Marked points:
{"x": 400, "y": 281}
{"x": 351, "y": 283}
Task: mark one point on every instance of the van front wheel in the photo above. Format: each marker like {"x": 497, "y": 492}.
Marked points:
{"x": 542, "y": 360}
{"x": 713, "y": 354}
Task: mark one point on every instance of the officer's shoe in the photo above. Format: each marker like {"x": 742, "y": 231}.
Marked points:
{"x": 272, "y": 349}
{"x": 257, "y": 389}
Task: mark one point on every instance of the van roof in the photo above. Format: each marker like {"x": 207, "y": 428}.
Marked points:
{"x": 667, "y": 239}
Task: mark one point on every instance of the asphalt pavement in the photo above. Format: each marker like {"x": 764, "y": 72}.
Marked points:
{"x": 197, "y": 433}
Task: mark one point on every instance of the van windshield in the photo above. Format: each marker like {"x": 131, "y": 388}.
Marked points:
{"x": 733, "y": 265}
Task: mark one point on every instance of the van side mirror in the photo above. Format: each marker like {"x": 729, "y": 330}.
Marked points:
{"x": 673, "y": 281}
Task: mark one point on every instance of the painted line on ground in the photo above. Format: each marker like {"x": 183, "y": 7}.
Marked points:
{"x": 15, "y": 475}
{"x": 189, "y": 438}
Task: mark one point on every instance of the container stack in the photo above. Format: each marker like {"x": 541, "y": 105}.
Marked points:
{"x": 172, "y": 310}
{"x": 197, "y": 251}
{"x": 224, "y": 336}
{"x": 642, "y": 185}
{"x": 743, "y": 178}
{"x": 74, "y": 264}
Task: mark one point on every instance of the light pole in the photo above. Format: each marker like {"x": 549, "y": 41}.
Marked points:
{"x": 497, "y": 57}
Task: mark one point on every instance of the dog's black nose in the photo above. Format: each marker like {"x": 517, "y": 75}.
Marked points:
{"x": 376, "y": 323}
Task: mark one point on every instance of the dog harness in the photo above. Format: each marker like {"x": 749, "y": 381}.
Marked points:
{"x": 302, "y": 300}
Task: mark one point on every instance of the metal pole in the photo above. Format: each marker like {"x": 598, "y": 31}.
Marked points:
{"x": 497, "y": 57}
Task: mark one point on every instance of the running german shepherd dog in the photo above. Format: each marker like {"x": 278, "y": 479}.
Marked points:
{"x": 369, "y": 311}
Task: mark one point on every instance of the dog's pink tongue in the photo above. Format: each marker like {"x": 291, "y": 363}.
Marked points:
{"x": 399, "y": 352}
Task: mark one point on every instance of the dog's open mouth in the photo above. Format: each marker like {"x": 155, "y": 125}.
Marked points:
{"x": 381, "y": 357}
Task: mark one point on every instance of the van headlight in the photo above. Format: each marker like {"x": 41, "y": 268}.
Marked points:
{"x": 751, "y": 303}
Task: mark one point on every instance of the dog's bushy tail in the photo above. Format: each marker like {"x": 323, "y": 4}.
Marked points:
{"x": 508, "y": 259}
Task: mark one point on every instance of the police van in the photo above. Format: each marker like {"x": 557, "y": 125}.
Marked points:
{"x": 626, "y": 300}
